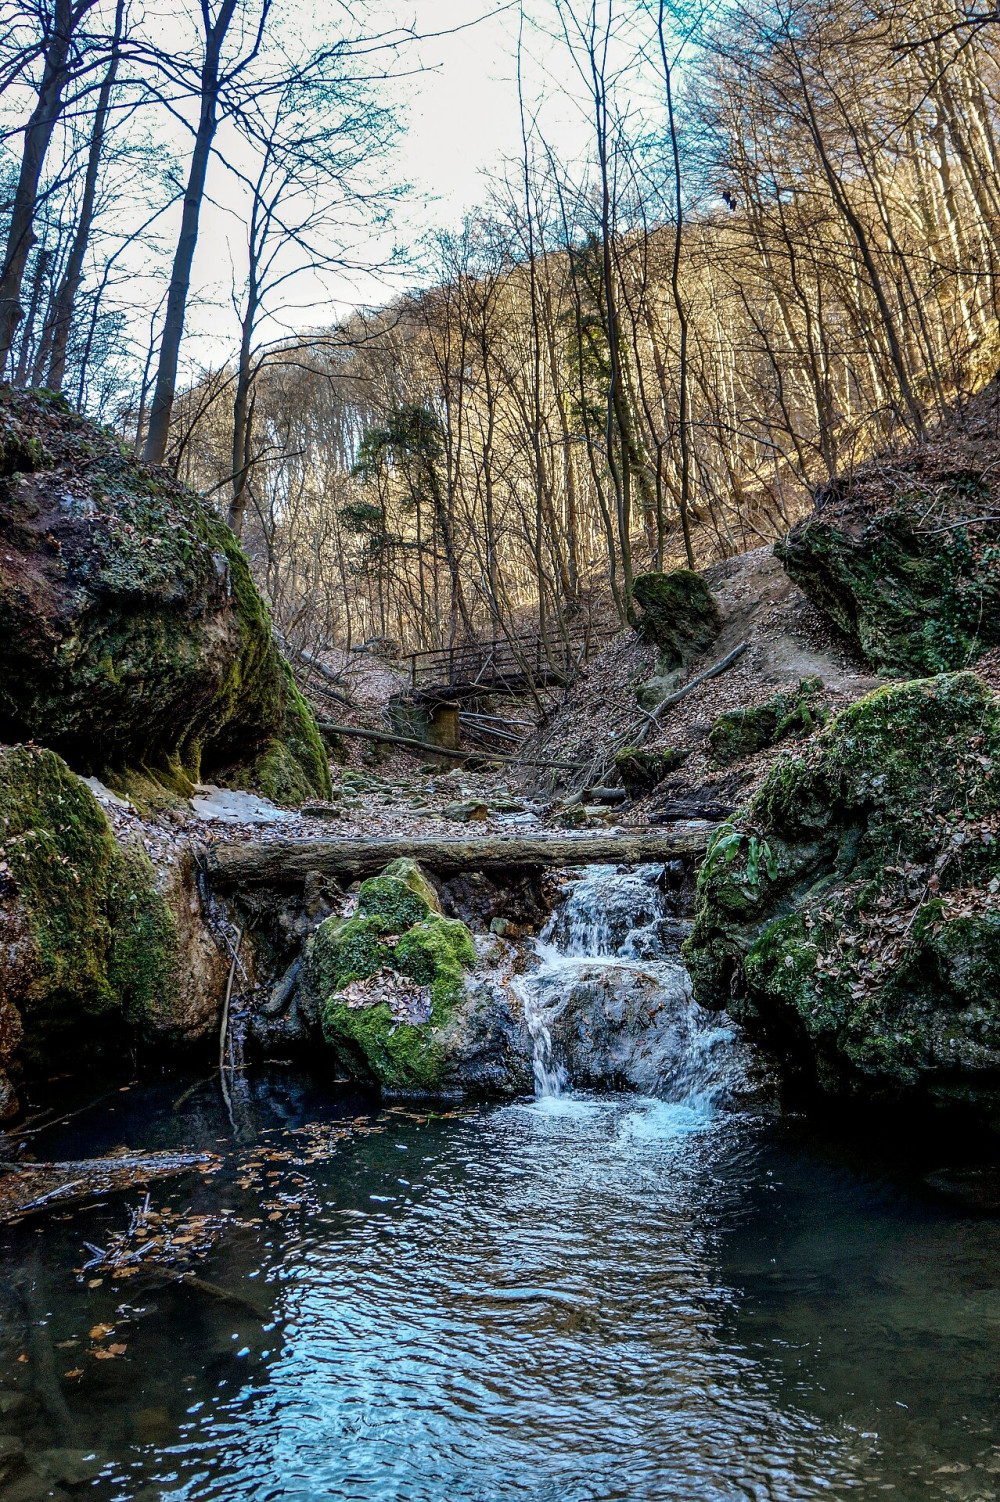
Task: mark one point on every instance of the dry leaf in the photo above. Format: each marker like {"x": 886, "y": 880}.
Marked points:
{"x": 274, "y": 1215}
{"x": 76, "y": 1372}
{"x": 99, "y": 1331}
{"x": 94, "y": 1282}
{"x": 118, "y": 1350}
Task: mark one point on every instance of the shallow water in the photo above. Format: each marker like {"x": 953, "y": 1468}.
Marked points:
{"x": 566, "y": 1299}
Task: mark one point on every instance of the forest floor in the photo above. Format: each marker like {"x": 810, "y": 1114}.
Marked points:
{"x": 386, "y": 791}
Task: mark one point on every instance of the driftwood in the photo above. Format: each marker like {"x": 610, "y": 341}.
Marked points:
{"x": 427, "y": 748}
{"x": 35, "y": 1188}
{"x": 284, "y": 863}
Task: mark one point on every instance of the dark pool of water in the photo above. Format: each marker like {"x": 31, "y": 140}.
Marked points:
{"x": 552, "y": 1301}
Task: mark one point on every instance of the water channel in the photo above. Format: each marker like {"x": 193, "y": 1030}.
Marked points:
{"x": 671, "y": 1297}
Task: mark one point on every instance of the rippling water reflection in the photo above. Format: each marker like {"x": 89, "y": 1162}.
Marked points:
{"x": 558, "y": 1300}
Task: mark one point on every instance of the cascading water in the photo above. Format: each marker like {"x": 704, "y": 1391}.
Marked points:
{"x": 610, "y": 1003}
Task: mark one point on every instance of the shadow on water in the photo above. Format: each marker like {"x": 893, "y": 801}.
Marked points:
{"x": 561, "y": 1299}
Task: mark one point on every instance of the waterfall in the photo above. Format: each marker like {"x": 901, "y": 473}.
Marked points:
{"x": 610, "y": 1003}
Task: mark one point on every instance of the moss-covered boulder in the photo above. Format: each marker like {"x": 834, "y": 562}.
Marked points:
{"x": 387, "y": 983}
{"x": 641, "y": 770}
{"x": 850, "y": 913}
{"x": 91, "y": 949}
{"x": 743, "y": 732}
{"x": 131, "y": 632}
{"x": 904, "y": 558}
{"x": 677, "y": 613}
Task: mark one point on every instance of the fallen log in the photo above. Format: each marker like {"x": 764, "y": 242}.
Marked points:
{"x": 285, "y": 863}
{"x": 34, "y": 1188}
{"x": 428, "y": 748}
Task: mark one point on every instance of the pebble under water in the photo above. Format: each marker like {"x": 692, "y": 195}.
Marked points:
{"x": 573, "y": 1298}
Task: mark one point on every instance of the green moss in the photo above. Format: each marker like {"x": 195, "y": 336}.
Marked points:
{"x": 915, "y": 599}
{"x": 393, "y": 902}
{"x": 59, "y": 851}
{"x": 871, "y": 931}
{"x": 678, "y": 614}
{"x": 435, "y": 952}
{"x": 642, "y": 770}
{"x": 410, "y": 872}
{"x": 743, "y": 732}
{"x": 143, "y": 961}
{"x": 345, "y": 950}
{"x": 103, "y": 941}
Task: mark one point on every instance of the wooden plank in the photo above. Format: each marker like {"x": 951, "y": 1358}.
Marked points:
{"x": 288, "y": 862}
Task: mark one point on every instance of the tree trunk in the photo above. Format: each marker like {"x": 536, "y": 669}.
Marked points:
{"x": 158, "y": 432}
{"x": 285, "y": 863}
{"x": 62, "y": 314}
{"x": 37, "y": 135}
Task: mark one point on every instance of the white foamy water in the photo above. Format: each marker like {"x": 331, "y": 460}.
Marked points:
{"x": 611, "y": 1004}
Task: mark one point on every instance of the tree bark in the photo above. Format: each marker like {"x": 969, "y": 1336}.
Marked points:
{"x": 287, "y": 863}
{"x": 37, "y": 135}
{"x": 158, "y": 432}
{"x": 62, "y": 313}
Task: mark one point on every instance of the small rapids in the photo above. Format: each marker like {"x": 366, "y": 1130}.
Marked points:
{"x": 609, "y": 943}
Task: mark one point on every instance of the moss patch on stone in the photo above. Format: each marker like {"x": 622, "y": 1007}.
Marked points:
{"x": 851, "y": 911}
{"x": 678, "y": 614}
{"x": 430, "y": 950}
{"x": 95, "y": 937}
{"x": 912, "y": 579}
{"x": 743, "y": 732}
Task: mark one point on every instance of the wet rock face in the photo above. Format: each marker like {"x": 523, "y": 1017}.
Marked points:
{"x": 617, "y": 1026}
{"x": 903, "y": 558}
{"x": 95, "y": 946}
{"x": 850, "y": 914}
{"x": 131, "y": 632}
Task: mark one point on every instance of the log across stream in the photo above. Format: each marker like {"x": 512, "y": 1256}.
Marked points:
{"x": 287, "y": 862}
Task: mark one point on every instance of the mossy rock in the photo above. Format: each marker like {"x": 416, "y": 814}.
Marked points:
{"x": 84, "y": 933}
{"x": 132, "y": 635}
{"x": 850, "y": 913}
{"x": 678, "y": 614}
{"x": 916, "y": 596}
{"x": 412, "y": 873}
{"x": 641, "y": 770}
{"x": 743, "y": 732}
{"x": 431, "y": 951}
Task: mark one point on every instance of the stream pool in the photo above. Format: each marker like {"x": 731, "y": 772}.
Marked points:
{"x": 554, "y": 1300}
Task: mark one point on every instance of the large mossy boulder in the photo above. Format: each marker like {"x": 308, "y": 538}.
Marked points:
{"x": 850, "y": 913}
{"x": 904, "y": 558}
{"x": 92, "y": 950}
{"x": 677, "y": 613}
{"x": 388, "y": 982}
{"x": 132, "y": 635}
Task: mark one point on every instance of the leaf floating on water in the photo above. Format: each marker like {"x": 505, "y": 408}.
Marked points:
{"x": 100, "y": 1331}
{"x": 76, "y": 1372}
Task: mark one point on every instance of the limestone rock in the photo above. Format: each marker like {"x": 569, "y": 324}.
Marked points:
{"x": 850, "y": 913}
{"x": 678, "y": 614}
{"x": 131, "y": 632}
{"x": 902, "y": 557}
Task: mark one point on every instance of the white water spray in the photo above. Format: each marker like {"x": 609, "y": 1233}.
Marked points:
{"x": 610, "y": 1002}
